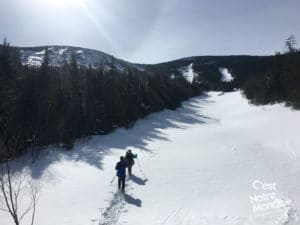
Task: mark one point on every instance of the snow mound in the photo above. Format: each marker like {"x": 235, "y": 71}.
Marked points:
{"x": 226, "y": 76}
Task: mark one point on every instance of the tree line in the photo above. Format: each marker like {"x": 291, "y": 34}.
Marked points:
{"x": 279, "y": 81}
{"x": 56, "y": 105}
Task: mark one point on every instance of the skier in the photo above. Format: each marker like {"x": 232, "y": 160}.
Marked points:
{"x": 121, "y": 173}
{"x": 130, "y": 160}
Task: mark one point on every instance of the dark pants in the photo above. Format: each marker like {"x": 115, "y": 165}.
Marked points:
{"x": 121, "y": 183}
{"x": 130, "y": 169}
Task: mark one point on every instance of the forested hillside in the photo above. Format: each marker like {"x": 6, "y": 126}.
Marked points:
{"x": 55, "y": 105}
{"x": 263, "y": 79}
{"x": 280, "y": 82}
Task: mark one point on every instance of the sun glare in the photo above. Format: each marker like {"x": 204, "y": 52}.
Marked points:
{"x": 84, "y": 6}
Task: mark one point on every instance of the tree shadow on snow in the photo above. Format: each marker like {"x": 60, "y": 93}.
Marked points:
{"x": 133, "y": 201}
{"x": 145, "y": 131}
{"x": 138, "y": 180}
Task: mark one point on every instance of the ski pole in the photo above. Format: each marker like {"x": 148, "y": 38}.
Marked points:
{"x": 113, "y": 180}
{"x": 141, "y": 168}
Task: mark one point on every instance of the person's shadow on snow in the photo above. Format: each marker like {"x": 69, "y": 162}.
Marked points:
{"x": 138, "y": 180}
{"x": 133, "y": 201}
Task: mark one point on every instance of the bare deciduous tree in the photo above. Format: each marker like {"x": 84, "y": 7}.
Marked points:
{"x": 18, "y": 191}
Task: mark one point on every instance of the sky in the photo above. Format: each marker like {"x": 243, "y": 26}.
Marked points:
{"x": 152, "y": 31}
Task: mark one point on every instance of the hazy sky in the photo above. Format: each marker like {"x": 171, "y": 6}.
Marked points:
{"x": 150, "y": 31}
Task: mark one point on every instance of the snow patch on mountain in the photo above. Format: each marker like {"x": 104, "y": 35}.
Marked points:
{"x": 41, "y": 52}
{"x": 226, "y": 75}
{"x": 188, "y": 73}
{"x": 62, "y": 51}
{"x": 33, "y": 60}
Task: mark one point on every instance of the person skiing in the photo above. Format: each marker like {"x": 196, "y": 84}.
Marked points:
{"x": 130, "y": 160}
{"x": 121, "y": 173}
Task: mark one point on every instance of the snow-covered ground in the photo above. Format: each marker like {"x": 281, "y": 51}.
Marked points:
{"x": 209, "y": 162}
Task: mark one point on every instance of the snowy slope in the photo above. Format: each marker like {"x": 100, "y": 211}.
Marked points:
{"x": 33, "y": 56}
{"x": 226, "y": 76}
{"x": 188, "y": 73}
{"x": 199, "y": 164}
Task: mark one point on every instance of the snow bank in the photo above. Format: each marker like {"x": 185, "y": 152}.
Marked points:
{"x": 226, "y": 76}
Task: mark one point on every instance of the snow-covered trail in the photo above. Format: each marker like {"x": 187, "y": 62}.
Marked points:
{"x": 204, "y": 173}
{"x": 200, "y": 163}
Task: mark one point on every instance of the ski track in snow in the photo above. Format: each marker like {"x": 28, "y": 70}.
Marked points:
{"x": 117, "y": 204}
{"x": 110, "y": 215}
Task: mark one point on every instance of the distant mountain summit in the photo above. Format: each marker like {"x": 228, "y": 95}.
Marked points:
{"x": 33, "y": 56}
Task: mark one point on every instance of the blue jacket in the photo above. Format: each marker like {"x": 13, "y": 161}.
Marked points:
{"x": 121, "y": 168}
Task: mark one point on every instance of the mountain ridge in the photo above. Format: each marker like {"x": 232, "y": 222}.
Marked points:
{"x": 205, "y": 68}
{"x": 135, "y": 63}
{"x": 58, "y": 54}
